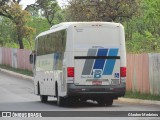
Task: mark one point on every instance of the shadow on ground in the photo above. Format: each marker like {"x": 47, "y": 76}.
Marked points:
{"x": 79, "y": 104}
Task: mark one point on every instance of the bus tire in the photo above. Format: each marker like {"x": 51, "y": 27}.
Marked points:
{"x": 38, "y": 89}
{"x": 60, "y": 101}
{"x": 44, "y": 98}
{"x": 70, "y": 101}
{"x": 109, "y": 102}
{"x": 105, "y": 102}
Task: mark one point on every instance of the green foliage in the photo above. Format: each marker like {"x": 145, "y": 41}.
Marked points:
{"x": 143, "y": 96}
{"x": 59, "y": 17}
{"x": 7, "y": 31}
{"x": 19, "y": 17}
{"x": 48, "y": 9}
{"x": 11, "y": 45}
{"x": 8, "y": 37}
{"x": 142, "y": 32}
{"x": 101, "y": 10}
{"x": 40, "y": 24}
{"x": 19, "y": 27}
{"x": 142, "y": 43}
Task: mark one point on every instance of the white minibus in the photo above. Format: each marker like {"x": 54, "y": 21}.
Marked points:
{"x": 79, "y": 61}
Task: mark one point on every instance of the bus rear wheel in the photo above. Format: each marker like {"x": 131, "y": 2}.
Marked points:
{"x": 44, "y": 98}
{"x": 60, "y": 101}
{"x": 105, "y": 102}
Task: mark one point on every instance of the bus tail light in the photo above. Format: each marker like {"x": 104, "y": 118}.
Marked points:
{"x": 70, "y": 72}
{"x": 123, "y": 71}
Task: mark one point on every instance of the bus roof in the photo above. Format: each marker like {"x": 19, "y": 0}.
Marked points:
{"x": 66, "y": 25}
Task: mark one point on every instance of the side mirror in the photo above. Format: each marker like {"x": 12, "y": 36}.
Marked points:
{"x": 31, "y": 59}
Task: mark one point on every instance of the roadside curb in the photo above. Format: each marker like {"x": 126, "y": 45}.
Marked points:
{"x": 18, "y": 75}
{"x": 140, "y": 101}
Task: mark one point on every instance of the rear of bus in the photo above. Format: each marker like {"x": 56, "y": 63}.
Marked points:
{"x": 99, "y": 71}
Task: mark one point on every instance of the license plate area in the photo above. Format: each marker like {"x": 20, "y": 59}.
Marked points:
{"x": 96, "y": 82}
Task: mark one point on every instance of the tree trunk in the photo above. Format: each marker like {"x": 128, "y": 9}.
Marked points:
{"x": 20, "y": 40}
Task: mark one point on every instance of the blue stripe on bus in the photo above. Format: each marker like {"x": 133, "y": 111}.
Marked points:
{"x": 99, "y": 63}
{"x": 110, "y": 63}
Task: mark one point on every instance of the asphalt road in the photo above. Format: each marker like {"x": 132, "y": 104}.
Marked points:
{"x": 17, "y": 95}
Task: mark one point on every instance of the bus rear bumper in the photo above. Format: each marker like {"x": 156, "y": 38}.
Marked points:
{"x": 113, "y": 91}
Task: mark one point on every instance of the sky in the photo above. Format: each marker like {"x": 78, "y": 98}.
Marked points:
{"x": 24, "y": 3}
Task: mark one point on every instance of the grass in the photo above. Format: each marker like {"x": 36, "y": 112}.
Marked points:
{"x": 21, "y": 71}
{"x": 143, "y": 96}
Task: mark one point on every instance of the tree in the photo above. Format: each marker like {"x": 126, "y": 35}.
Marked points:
{"x": 143, "y": 31}
{"x": 6, "y": 31}
{"x": 102, "y": 10}
{"x": 12, "y": 10}
{"x": 39, "y": 23}
{"x": 48, "y": 8}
